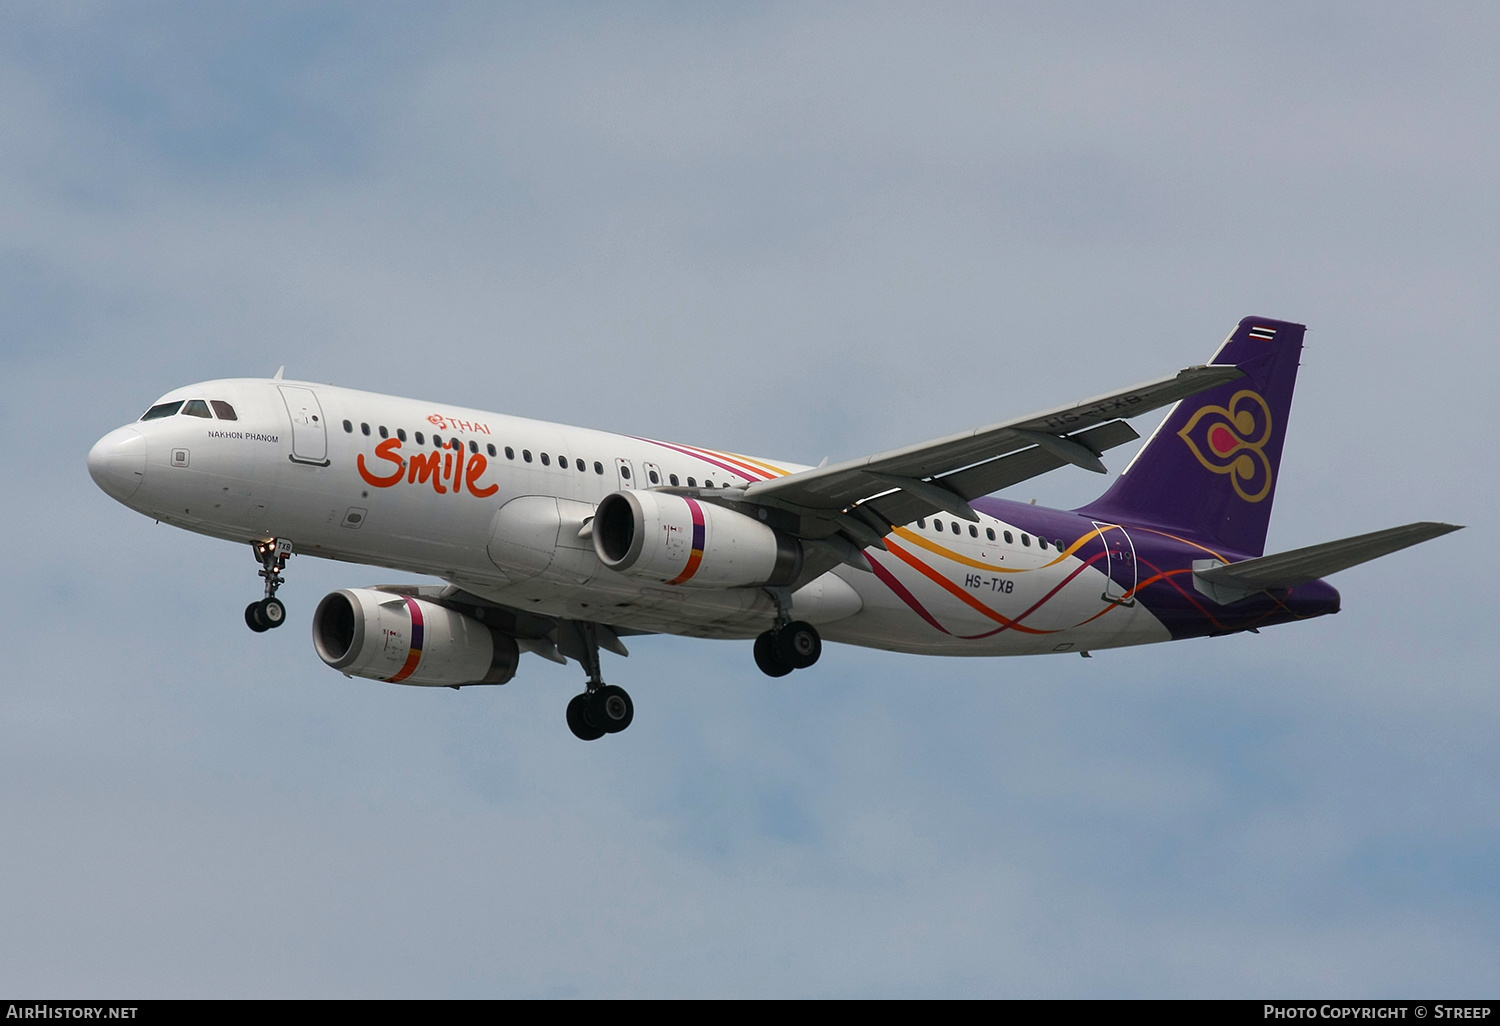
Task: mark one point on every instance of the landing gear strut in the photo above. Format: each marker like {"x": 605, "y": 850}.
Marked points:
{"x": 269, "y": 612}
{"x": 602, "y": 708}
{"x": 790, "y": 645}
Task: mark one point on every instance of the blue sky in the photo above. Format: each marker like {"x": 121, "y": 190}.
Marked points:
{"x": 797, "y": 231}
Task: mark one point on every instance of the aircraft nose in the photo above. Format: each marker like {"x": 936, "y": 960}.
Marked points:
{"x": 117, "y": 462}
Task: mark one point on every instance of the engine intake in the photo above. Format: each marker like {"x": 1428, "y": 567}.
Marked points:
{"x": 405, "y": 640}
{"x": 678, "y": 540}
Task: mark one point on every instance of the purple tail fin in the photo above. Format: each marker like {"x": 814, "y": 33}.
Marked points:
{"x": 1210, "y": 470}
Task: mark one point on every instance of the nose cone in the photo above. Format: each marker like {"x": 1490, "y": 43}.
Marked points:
{"x": 117, "y": 462}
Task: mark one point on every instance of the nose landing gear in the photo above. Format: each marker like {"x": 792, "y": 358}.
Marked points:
{"x": 269, "y": 612}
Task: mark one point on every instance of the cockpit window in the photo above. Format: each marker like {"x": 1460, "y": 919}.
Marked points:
{"x": 197, "y": 408}
{"x": 162, "y": 410}
{"x": 223, "y": 409}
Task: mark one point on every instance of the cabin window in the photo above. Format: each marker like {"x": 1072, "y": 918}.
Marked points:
{"x": 223, "y": 409}
{"x": 973, "y": 531}
{"x": 510, "y": 453}
{"x": 692, "y": 483}
{"x": 490, "y": 449}
{"x": 419, "y": 438}
{"x": 197, "y": 408}
{"x": 383, "y": 432}
{"x": 546, "y": 460}
{"x": 526, "y": 455}
{"x": 161, "y": 410}
{"x": 922, "y": 523}
{"x": 473, "y": 447}
{"x": 583, "y": 468}
{"x": 364, "y": 429}
{"x": 672, "y": 478}
{"x": 707, "y": 483}
{"x": 625, "y": 472}
{"x": 1010, "y": 539}
{"x": 954, "y": 525}
{"x": 654, "y": 476}
{"x": 1058, "y": 543}
{"x": 401, "y": 434}
{"x": 562, "y": 462}
{"x": 598, "y": 467}
{"x": 937, "y": 525}
{"x": 989, "y": 532}
{"x": 348, "y": 428}
{"x": 1042, "y": 543}
{"x": 437, "y": 441}
{"x": 1026, "y": 540}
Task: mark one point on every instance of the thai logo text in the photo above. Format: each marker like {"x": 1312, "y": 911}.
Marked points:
{"x": 445, "y": 469}
{"x": 450, "y": 424}
{"x": 1232, "y": 441}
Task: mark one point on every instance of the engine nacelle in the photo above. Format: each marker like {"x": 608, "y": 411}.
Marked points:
{"x": 678, "y": 540}
{"x": 405, "y": 640}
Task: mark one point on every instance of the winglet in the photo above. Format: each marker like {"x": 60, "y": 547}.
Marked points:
{"x": 279, "y": 372}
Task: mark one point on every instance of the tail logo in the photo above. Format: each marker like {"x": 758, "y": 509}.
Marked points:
{"x": 1232, "y": 441}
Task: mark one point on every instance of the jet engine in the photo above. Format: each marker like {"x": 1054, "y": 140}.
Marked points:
{"x": 679, "y": 540}
{"x": 406, "y": 640}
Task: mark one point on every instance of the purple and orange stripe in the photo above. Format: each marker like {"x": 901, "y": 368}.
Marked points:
{"x": 414, "y": 655}
{"x": 695, "y": 557}
{"x": 743, "y": 466}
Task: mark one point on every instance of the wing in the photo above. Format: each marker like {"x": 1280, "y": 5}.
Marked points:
{"x": 862, "y": 499}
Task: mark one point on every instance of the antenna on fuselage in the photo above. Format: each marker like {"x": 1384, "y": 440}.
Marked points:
{"x": 279, "y": 371}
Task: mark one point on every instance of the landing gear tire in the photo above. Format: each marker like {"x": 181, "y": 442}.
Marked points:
{"x": 252, "y": 618}
{"x": 612, "y": 708}
{"x": 769, "y": 658}
{"x": 799, "y": 644}
{"x": 580, "y": 719}
{"x": 264, "y": 615}
{"x": 272, "y": 612}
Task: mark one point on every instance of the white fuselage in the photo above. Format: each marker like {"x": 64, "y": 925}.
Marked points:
{"x": 369, "y": 478}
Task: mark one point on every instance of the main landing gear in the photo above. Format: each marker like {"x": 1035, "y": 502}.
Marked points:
{"x": 781, "y": 650}
{"x": 790, "y": 645}
{"x": 602, "y": 708}
{"x": 269, "y": 612}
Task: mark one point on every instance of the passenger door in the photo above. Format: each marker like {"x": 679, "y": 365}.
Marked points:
{"x": 309, "y": 434}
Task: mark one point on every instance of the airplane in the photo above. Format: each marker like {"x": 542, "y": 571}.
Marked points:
{"x": 562, "y": 541}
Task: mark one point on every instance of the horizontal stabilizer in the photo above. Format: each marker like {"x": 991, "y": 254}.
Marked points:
{"x": 1229, "y": 582}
